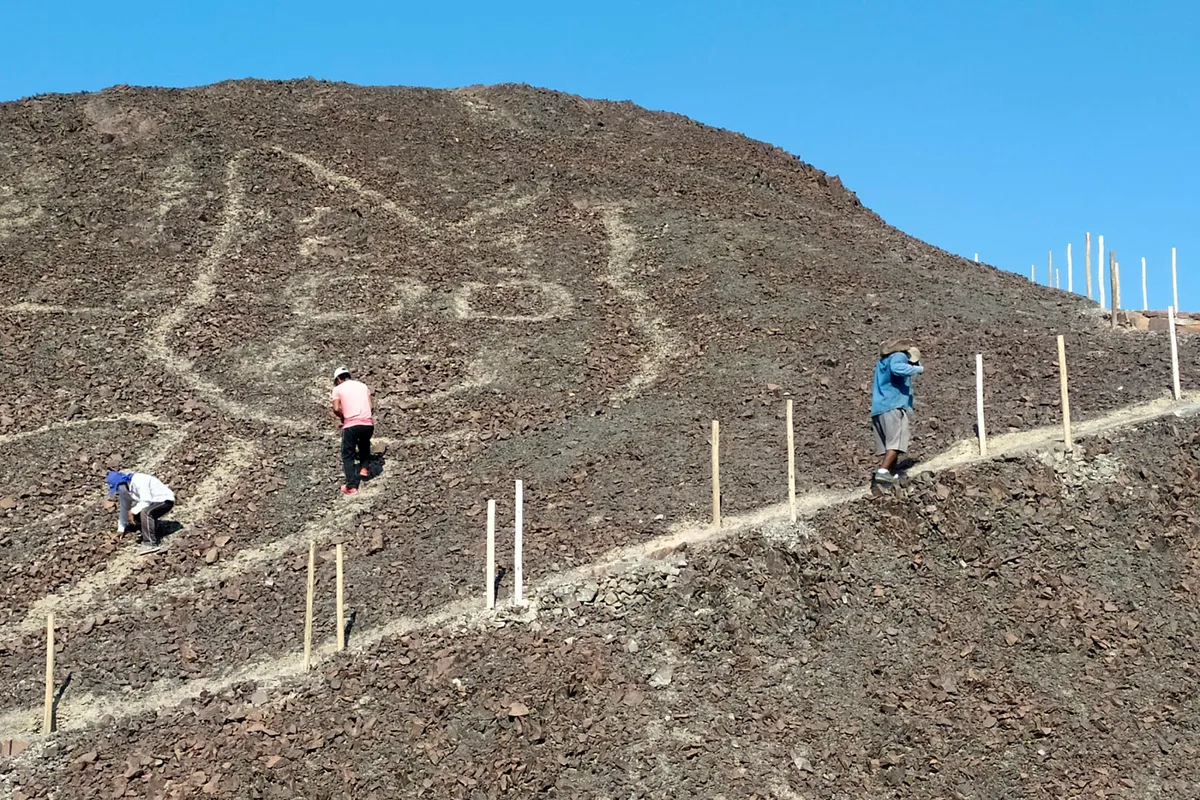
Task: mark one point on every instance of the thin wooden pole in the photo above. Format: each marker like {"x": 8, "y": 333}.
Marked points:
{"x": 1114, "y": 278}
{"x": 1145, "y": 297}
{"x": 1050, "y": 267}
{"x": 977, "y": 258}
{"x": 1174, "y": 282}
{"x": 1070, "y": 275}
{"x": 489, "y": 569}
{"x": 1057, "y": 280}
{"x": 1100, "y": 270}
{"x": 716, "y": 473}
{"x": 791, "y": 443}
{"x": 1066, "y": 399}
{"x": 1032, "y": 276}
{"x": 308, "y": 612}
{"x": 979, "y": 403}
{"x": 1087, "y": 262}
{"x": 48, "y": 711}
{"x": 341, "y": 606}
{"x": 519, "y": 546}
{"x": 1174, "y": 355}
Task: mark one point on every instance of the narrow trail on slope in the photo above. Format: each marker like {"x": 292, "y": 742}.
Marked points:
{"x": 84, "y": 710}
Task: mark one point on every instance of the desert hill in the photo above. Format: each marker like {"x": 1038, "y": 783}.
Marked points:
{"x": 537, "y": 286}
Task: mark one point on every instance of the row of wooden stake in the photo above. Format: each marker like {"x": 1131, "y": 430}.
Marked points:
{"x": 519, "y": 514}
{"x": 716, "y": 468}
{"x": 308, "y": 611}
{"x": 981, "y": 427}
{"x": 489, "y": 569}
{"x": 1114, "y": 275}
{"x": 1068, "y": 440}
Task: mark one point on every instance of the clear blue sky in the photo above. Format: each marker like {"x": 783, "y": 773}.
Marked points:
{"x": 1003, "y": 128}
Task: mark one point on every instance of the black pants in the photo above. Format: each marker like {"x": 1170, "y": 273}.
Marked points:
{"x": 148, "y": 520}
{"x": 356, "y": 444}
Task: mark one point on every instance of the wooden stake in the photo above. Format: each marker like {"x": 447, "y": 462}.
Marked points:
{"x": 1050, "y": 267}
{"x": 1174, "y": 355}
{"x": 341, "y": 607}
{"x": 308, "y": 613}
{"x": 1114, "y": 279}
{"x": 1032, "y": 276}
{"x": 1057, "y": 281}
{"x": 48, "y": 711}
{"x": 1145, "y": 298}
{"x": 1087, "y": 262}
{"x": 1174, "y": 282}
{"x": 1070, "y": 277}
{"x": 977, "y": 258}
{"x": 489, "y": 569}
{"x": 1100, "y": 270}
{"x": 979, "y": 403}
{"x": 518, "y": 546}
{"x": 716, "y": 473}
{"x": 791, "y": 442}
{"x": 1066, "y": 400}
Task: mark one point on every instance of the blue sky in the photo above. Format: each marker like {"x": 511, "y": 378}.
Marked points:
{"x": 1003, "y": 128}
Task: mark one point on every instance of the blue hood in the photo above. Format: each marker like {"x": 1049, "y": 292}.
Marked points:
{"x": 115, "y": 479}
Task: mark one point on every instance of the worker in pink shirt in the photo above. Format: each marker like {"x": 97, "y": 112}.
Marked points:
{"x": 352, "y": 407}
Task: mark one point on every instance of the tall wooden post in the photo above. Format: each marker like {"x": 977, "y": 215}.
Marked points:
{"x": 1175, "y": 390}
{"x": 48, "y": 710}
{"x": 341, "y": 604}
{"x": 1174, "y": 282}
{"x": 1066, "y": 400}
{"x": 1100, "y": 270}
{"x": 1087, "y": 262}
{"x": 519, "y": 547}
{"x": 1114, "y": 277}
{"x": 1050, "y": 268}
{"x": 1145, "y": 297}
{"x": 489, "y": 569}
{"x": 716, "y": 473}
{"x": 308, "y": 612}
{"x": 791, "y": 445}
{"x": 979, "y": 404}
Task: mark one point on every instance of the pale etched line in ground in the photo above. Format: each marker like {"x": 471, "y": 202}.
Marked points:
{"x": 82, "y": 595}
{"x": 663, "y": 344}
{"x": 82, "y": 711}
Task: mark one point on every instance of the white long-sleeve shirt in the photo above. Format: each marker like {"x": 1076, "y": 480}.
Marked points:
{"x": 146, "y": 490}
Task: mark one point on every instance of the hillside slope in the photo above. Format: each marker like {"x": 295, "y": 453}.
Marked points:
{"x": 538, "y": 287}
{"x": 1018, "y": 629}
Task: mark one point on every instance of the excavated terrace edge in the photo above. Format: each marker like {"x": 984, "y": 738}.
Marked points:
{"x": 84, "y": 711}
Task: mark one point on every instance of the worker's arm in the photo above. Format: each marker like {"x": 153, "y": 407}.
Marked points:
{"x": 336, "y": 406}
{"x": 123, "y": 503}
{"x": 899, "y": 366}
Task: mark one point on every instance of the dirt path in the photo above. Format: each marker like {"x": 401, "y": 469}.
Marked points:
{"x": 79, "y": 711}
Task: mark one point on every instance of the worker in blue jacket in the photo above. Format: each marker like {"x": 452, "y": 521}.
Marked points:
{"x": 892, "y": 403}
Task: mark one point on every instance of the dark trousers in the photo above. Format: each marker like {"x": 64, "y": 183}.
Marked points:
{"x": 356, "y": 451}
{"x": 148, "y": 520}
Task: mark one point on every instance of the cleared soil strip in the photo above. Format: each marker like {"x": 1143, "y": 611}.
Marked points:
{"x": 78, "y": 711}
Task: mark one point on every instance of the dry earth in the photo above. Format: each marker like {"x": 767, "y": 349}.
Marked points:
{"x": 563, "y": 291}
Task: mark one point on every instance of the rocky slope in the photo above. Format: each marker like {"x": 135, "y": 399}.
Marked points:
{"x": 537, "y": 286}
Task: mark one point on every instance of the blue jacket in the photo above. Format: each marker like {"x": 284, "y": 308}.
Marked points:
{"x": 893, "y": 383}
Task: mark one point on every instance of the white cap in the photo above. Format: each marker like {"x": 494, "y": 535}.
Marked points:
{"x": 339, "y": 372}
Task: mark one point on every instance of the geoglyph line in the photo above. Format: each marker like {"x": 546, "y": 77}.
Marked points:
{"x": 324, "y": 173}
{"x": 663, "y": 344}
{"x": 81, "y": 711}
{"x": 87, "y": 594}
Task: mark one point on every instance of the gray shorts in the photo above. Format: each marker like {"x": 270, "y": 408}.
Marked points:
{"x": 891, "y": 431}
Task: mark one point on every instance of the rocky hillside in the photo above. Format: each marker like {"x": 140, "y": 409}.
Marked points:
{"x": 537, "y": 286}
